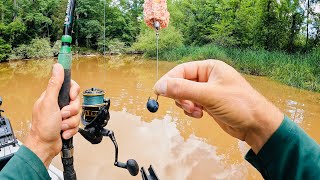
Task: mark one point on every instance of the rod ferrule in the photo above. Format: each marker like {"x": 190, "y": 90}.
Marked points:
{"x": 67, "y": 153}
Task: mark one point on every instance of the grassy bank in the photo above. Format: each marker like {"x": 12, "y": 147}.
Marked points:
{"x": 298, "y": 70}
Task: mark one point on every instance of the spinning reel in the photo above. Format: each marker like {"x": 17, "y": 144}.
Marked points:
{"x": 95, "y": 117}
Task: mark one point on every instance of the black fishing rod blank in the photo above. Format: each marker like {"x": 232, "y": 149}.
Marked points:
{"x": 65, "y": 59}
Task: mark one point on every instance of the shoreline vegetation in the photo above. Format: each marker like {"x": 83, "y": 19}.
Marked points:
{"x": 296, "y": 70}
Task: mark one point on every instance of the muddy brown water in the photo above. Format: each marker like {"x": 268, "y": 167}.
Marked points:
{"x": 177, "y": 146}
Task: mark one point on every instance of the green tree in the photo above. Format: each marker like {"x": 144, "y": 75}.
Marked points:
{"x": 291, "y": 18}
{"x": 133, "y": 10}
{"x": 16, "y": 31}
{"x": 122, "y": 21}
{"x": 224, "y": 27}
{"x": 170, "y": 38}
{"x": 268, "y": 25}
{"x": 245, "y": 22}
{"x": 5, "y": 50}
{"x": 195, "y": 19}
{"x": 39, "y": 48}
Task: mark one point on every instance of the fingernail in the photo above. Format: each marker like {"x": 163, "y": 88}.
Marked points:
{"x": 64, "y": 127}
{"x": 67, "y": 136}
{"x": 197, "y": 114}
{"x": 198, "y": 109}
{"x": 186, "y": 107}
{"x": 65, "y": 114}
{"x": 161, "y": 87}
{"x": 55, "y": 70}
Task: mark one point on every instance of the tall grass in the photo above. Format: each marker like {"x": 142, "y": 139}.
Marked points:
{"x": 298, "y": 70}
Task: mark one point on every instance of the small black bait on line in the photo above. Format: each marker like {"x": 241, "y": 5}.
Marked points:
{"x": 153, "y": 105}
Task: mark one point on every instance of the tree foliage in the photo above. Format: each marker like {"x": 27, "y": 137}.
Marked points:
{"x": 259, "y": 24}
{"x": 170, "y": 38}
{"x": 5, "y": 50}
{"x": 25, "y": 22}
{"x": 38, "y": 48}
{"x": 273, "y": 25}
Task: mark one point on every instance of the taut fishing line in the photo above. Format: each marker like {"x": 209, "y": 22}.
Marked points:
{"x": 156, "y": 16}
{"x": 157, "y": 42}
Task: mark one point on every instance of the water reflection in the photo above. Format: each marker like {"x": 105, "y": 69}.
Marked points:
{"x": 296, "y": 113}
{"x": 300, "y": 105}
{"x": 158, "y": 142}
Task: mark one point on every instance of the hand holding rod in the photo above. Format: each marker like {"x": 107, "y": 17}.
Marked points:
{"x": 65, "y": 59}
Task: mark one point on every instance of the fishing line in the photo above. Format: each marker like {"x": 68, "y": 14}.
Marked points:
{"x": 156, "y": 16}
{"x": 157, "y": 42}
{"x": 152, "y": 104}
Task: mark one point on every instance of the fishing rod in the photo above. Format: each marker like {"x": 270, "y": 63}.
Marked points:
{"x": 95, "y": 115}
{"x": 65, "y": 59}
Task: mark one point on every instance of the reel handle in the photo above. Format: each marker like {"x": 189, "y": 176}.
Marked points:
{"x": 131, "y": 165}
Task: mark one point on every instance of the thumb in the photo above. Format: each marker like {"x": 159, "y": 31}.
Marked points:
{"x": 55, "y": 82}
{"x": 177, "y": 88}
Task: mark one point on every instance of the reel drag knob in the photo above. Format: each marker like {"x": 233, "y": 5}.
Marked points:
{"x": 152, "y": 105}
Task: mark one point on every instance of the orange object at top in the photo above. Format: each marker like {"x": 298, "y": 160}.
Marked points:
{"x": 156, "y": 10}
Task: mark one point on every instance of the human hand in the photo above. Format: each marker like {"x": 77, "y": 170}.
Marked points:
{"x": 48, "y": 120}
{"x": 223, "y": 93}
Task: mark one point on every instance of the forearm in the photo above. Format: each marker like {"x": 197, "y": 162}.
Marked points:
{"x": 42, "y": 150}
{"x": 289, "y": 154}
{"x": 267, "y": 119}
{"x": 24, "y": 165}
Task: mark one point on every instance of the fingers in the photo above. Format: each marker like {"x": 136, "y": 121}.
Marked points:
{"x": 188, "y": 81}
{"x": 42, "y": 95}
{"x": 74, "y": 90}
{"x": 71, "y": 113}
{"x": 55, "y": 82}
{"x": 191, "y": 109}
{"x": 188, "y": 106}
{"x": 177, "y": 88}
{"x": 72, "y": 109}
{"x": 70, "y": 133}
{"x": 70, "y": 123}
{"x": 197, "y": 70}
{"x": 40, "y": 99}
{"x": 70, "y": 126}
{"x": 195, "y": 114}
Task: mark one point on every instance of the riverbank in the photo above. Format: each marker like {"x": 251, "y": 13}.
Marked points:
{"x": 297, "y": 70}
